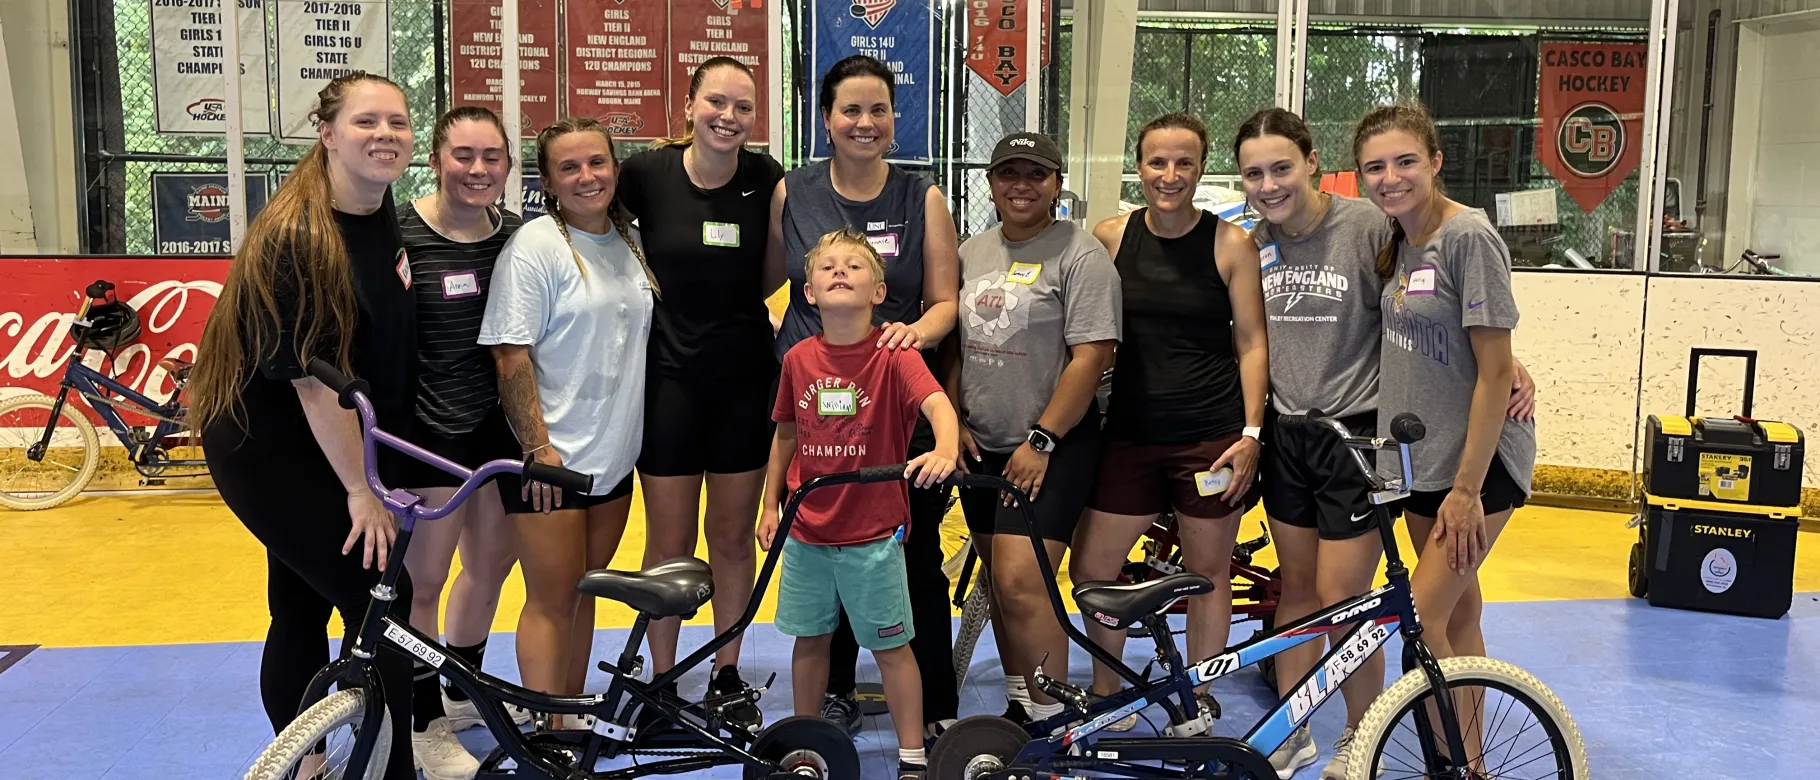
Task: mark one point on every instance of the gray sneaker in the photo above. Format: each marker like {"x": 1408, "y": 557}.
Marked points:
{"x": 1342, "y": 756}
{"x": 1296, "y": 752}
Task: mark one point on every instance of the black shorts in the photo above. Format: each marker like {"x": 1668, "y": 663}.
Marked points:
{"x": 1310, "y": 480}
{"x": 517, "y": 505}
{"x": 1499, "y": 493}
{"x": 492, "y": 439}
{"x": 697, "y": 426}
{"x": 1066, "y": 485}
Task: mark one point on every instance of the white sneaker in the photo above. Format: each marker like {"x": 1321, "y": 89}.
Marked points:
{"x": 1342, "y": 756}
{"x": 1299, "y": 751}
{"x": 465, "y": 714}
{"x": 440, "y": 755}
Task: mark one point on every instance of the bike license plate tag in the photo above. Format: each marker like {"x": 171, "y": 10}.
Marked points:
{"x": 1209, "y": 483}
{"x": 836, "y": 402}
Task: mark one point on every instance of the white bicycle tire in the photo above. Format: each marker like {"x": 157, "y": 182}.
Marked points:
{"x": 91, "y": 455}
{"x": 338, "y": 709}
{"x": 1383, "y": 713}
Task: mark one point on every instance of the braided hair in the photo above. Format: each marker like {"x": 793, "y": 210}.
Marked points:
{"x": 616, "y": 210}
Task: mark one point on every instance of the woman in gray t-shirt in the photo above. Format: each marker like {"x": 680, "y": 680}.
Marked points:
{"x": 1448, "y": 316}
{"x": 1322, "y": 285}
{"x": 1039, "y": 319}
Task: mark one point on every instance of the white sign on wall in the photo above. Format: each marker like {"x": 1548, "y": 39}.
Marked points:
{"x": 188, "y": 84}
{"x": 319, "y": 41}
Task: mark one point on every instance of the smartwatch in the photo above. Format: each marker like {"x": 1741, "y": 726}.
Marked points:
{"x": 1041, "y": 440}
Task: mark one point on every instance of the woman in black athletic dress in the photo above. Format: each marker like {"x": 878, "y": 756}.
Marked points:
{"x": 1188, "y": 393}
{"x": 703, "y": 202}
{"x": 322, "y": 274}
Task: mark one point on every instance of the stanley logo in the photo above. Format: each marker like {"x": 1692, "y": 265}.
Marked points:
{"x": 1717, "y": 530}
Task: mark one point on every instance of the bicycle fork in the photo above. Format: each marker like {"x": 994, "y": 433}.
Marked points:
{"x": 1417, "y": 655}
{"x": 35, "y": 453}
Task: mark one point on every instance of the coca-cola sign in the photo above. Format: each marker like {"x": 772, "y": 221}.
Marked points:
{"x": 173, "y": 297}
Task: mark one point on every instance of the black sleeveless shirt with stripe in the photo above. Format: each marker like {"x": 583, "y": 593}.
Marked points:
{"x": 1177, "y": 380}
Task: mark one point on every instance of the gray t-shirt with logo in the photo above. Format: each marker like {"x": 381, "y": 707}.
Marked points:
{"x": 1022, "y": 306}
{"x": 1321, "y": 300}
{"x": 1459, "y": 280}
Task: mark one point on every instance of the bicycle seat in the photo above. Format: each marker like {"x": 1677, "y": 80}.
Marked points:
{"x": 1117, "y": 605}
{"x": 674, "y": 588}
{"x": 178, "y": 368}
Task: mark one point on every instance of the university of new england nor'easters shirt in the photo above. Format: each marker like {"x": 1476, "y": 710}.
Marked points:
{"x": 854, "y": 406}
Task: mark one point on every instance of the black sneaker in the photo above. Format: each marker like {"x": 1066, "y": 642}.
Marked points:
{"x": 652, "y": 720}
{"x": 911, "y": 771}
{"x": 843, "y": 711}
{"x": 745, "y": 715}
{"x": 1014, "y": 712}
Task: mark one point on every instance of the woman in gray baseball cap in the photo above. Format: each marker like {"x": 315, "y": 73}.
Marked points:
{"x": 1039, "y": 318}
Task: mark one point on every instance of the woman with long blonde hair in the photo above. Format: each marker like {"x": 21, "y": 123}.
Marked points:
{"x": 322, "y": 274}
{"x": 567, "y": 320}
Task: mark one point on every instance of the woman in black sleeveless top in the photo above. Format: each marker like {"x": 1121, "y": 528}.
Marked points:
{"x": 1189, "y": 391}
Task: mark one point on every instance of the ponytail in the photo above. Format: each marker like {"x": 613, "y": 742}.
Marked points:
{"x": 1387, "y": 256}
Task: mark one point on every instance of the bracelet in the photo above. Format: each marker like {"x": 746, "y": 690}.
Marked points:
{"x": 1253, "y": 432}
{"x": 536, "y": 449}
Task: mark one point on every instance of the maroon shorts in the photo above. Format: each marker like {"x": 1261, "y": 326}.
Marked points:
{"x": 1147, "y": 479}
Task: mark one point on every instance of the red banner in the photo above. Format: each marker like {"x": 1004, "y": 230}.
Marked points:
{"x": 172, "y": 295}
{"x": 477, "y": 64}
{"x": 1592, "y": 116}
{"x": 616, "y": 64}
{"x": 700, "y": 29}
{"x": 997, "y": 31}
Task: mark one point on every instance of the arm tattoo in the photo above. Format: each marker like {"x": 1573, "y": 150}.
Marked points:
{"x": 518, "y": 397}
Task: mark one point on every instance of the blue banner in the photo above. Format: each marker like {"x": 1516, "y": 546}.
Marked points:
{"x": 899, "y": 33}
{"x": 190, "y": 211}
{"x": 531, "y": 207}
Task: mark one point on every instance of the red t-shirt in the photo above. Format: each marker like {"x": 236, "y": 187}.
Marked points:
{"x": 854, "y": 406}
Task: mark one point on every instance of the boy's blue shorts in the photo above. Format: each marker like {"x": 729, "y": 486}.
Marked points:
{"x": 868, "y": 579}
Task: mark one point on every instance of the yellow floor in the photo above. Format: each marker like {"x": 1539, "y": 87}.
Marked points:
{"x": 155, "y": 569}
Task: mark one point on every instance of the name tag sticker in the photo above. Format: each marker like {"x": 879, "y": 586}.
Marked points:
{"x": 720, "y": 234}
{"x": 885, "y": 244}
{"x": 1209, "y": 483}
{"x": 1024, "y": 273}
{"x": 835, "y": 402}
{"x": 1422, "y": 281}
{"x": 460, "y": 284}
{"x": 1268, "y": 256}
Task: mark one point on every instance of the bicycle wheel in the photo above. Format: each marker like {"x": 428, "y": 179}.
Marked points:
{"x": 1520, "y": 728}
{"x": 66, "y": 464}
{"x": 332, "y": 723}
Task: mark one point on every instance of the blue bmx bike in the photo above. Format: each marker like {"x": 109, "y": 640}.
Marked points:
{"x": 49, "y": 451}
{"x": 1498, "y": 721}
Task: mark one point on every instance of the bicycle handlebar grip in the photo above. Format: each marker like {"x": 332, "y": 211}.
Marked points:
{"x": 572, "y": 481}
{"x": 887, "y": 473}
{"x": 1408, "y": 428}
{"x": 332, "y": 377}
{"x": 99, "y": 289}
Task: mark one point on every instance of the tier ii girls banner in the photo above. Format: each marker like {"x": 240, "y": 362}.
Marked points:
{"x": 1592, "y": 97}
{"x": 704, "y": 29}
{"x": 320, "y": 41}
{"x": 477, "y": 67}
{"x": 616, "y": 64}
{"x": 899, "y": 33}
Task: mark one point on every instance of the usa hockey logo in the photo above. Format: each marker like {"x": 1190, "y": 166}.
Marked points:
{"x": 872, "y": 11}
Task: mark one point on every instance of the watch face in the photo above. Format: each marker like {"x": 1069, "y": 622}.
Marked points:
{"x": 1041, "y": 442}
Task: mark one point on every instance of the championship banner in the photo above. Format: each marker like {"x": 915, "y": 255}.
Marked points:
{"x": 187, "y": 67}
{"x": 616, "y": 65}
{"x": 1592, "y": 97}
{"x": 700, "y": 29}
{"x": 320, "y": 41}
{"x": 997, "y": 31}
{"x": 190, "y": 211}
{"x": 172, "y": 295}
{"x": 899, "y": 33}
{"x": 476, "y": 72}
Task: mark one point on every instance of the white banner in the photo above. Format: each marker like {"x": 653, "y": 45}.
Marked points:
{"x": 319, "y": 41}
{"x": 187, "y": 55}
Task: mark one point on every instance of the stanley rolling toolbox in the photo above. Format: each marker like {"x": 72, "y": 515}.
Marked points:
{"x": 1721, "y": 507}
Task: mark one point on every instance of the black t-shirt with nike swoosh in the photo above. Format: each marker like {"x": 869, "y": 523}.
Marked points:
{"x": 707, "y": 248}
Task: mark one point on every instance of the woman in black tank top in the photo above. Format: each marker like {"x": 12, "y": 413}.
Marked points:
{"x": 1188, "y": 392}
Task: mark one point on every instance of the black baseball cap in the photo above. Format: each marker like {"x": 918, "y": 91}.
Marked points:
{"x": 1034, "y": 147}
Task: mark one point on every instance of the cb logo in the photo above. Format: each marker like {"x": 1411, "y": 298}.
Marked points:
{"x": 1590, "y": 139}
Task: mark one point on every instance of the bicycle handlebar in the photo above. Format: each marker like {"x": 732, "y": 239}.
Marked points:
{"x": 355, "y": 394}
{"x": 1405, "y": 429}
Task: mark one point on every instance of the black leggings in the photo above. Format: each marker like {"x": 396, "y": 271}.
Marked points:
{"x": 933, "y": 644}
{"x": 303, "y": 520}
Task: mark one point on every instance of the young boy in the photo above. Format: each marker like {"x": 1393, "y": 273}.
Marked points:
{"x": 844, "y": 404}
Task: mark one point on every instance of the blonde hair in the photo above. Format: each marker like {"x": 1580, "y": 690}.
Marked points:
{"x": 845, "y": 237}
{"x": 293, "y": 244}
{"x": 616, "y": 210}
